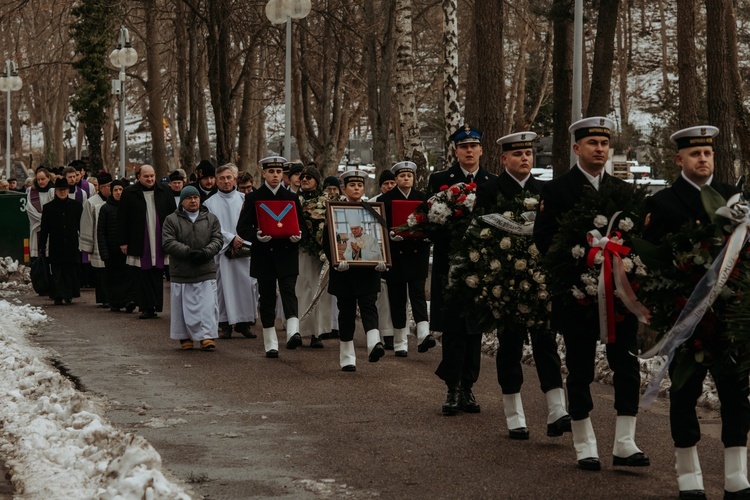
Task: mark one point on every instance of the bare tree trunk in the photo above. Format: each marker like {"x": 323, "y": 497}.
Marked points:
{"x": 687, "y": 64}
{"x": 664, "y": 52}
{"x": 204, "y": 144}
{"x": 604, "y": 53}
{"x": 246, "y": 119}
{"x": 451, "y": 109}
{"x": 298, "y": 119}
{"x": 544, "y": 86}
{"x": 485, "y": 100}
{"x": 406, "y": 92}
{"x": 738, "y": 93}
{"x": 155, "y": 113}
{"x": 187, "y": 62}
{"x": 219, "y": 78}
{"x": 516, "y": 119}
{"x": 622, "y": 65}
{"x": 379, "y": 70}
{"x": 719, "y": 80}
{"x": 562, "y": 83}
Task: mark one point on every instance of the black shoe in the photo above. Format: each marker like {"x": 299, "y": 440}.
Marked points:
{"x": 467, "y": 401}
{"x": 58, "y": 302}
{"x": 388, "y": 342}
{"x": 150, "y": 314}
{"x": 114, "y": 309}
{"x": 401, "y": 354}
{"x": 273, "y": 353}
{"x": 294, "y": 342}
{"x": 333, "y": 334}
{"x": 349, "y": 368}
{"x": 68, "y": 301}
{"x": 733, "y": 495}
{"x": 427, "y": 344}
{"x": 225, "y": 330}
{"x": 695, "y": 495}
{"x": 522, "y": 433}
{"x": 634, "y": 460}
{"x": 451, "y": 405}
{"x": 377, "y": 352}
{"x": 244, "y": 330}
{"x": 315, "y": 343}
{"x": 591, "y": 463}
{"x": 130, "y": 307}
{"x": 559, "y": 426}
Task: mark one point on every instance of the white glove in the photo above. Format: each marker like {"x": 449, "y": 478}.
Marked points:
{"x": 381, "y": 267}
{"x": 343, "y": 266}
{"x": 296, "y": 238}
{"x": 262, "y": 238}
{"x": 395, "y": 237}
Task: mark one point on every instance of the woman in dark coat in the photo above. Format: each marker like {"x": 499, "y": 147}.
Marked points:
{"x": 61, "y": 222}
{"x": 119, "y": 284}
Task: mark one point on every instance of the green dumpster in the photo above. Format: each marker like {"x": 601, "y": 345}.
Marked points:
{"x": 14, "y": 226}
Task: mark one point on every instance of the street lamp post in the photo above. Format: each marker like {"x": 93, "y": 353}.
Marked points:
{"x": 124, "y": 56}
{"x": 278, "y": 12}
{"x": 9, "y": 82}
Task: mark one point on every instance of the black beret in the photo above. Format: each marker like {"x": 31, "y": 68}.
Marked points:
{"x": 205, "y": 169}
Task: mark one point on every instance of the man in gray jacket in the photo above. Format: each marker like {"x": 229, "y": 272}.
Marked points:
{"x": 192, "y": 237}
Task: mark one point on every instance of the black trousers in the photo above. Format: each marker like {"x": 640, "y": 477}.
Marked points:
{"x": 65, "y": 281}
{"x": 462, "y": 357}
{"x": 100, "y": 283}
{"x": 119, "y": 282}
{"x": 580, "y": 346}
{"x": 510, "y": 351}
{"x": 267, "y": 299}
{"x": 347, "y": 305}
{"x": 732, "y": 387}
{"x": 149, "y": 289}
{"x": 397, "y": 291}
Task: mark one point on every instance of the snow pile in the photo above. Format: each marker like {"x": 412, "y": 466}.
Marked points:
{"x": 53, "y": 440}
{"x": 14, "y": 278}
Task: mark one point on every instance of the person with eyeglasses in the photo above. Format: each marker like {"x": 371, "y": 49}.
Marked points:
{"x": 245, "y": 182}
{"x": 309, "y": 184}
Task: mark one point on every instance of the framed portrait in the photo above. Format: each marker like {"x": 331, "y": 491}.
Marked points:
{"x": 357, "y": 235}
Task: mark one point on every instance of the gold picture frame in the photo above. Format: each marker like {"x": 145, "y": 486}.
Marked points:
{"x": 357, "y": 235}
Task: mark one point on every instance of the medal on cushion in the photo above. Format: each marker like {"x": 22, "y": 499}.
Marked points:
{"x": 278, "y": 217}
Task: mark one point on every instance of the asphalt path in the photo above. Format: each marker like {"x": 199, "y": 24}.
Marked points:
{"x": 232, "y": 424}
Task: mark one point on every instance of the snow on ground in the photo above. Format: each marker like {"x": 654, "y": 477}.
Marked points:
{"x": 52, "y": 438}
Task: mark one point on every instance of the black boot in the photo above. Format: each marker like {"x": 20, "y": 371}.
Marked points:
{"x": 225, "y": 330}
{"x": 467, "y": 401}
{"x": 388, "y": 342}
{"x": 244, "y": 330}
{"x": 451, "y": 405}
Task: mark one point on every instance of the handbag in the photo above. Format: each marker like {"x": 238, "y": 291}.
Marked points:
{"x": 40, "y": 275}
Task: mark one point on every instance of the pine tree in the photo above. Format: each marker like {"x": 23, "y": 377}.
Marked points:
{"x": 94, "y": 32}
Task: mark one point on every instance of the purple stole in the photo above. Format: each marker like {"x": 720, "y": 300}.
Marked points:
{"x": 34, "y": 198}
{"x": 146, "y": 255}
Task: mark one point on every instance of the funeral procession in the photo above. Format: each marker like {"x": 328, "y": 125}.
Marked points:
{"x": 397, "y": 249}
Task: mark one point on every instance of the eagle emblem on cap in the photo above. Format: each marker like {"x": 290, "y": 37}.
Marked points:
{"x": 703, "y": 130}
{"x": 523, "y": 137}
{"x": 601, "y": 122}
{"x": 467, "y": 129}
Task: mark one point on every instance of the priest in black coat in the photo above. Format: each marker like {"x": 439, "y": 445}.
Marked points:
{"x": 462, "y": 340}
{"x": 581, "y": 332}
{"x": 273, "y": 260}
{"x": 61, "y": 219}
{"x": 517, "y": 159}
{"x": 667, "y": 211}
{"x": 410, "y": 260}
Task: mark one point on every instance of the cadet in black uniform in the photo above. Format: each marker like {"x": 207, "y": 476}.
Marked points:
{"x": 518, "y": 158}
{"x": 667, "y": 211}
{"x": 355, "y": 286}
{"x": 410, "y": 263}
{"x": 462, "y": 341}
{"x": 559, "y": 196}
{"x": 273, "y": 260}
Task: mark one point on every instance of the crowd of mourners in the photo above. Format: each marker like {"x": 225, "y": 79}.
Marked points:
{"x": 227, "y": 270}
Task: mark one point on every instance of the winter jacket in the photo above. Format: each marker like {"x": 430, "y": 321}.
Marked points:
{"x": 131, "y": 217}
{"x": 180, "y": 235}
{"x": 61, "y": 221}
{"x": 106, "y": 231}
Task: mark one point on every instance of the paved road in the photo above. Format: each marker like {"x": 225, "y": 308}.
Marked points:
{"x": 235, "y": 425}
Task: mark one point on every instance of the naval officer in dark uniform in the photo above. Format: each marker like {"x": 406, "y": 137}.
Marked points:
{"x": 273, "y": 260}
{"x": 517, "y": 159}
{"x": 667, "y": 211}
{"x": 580, "y": 331}
{"x": 462, "y": 341}
{"x": 410, "y": 264}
